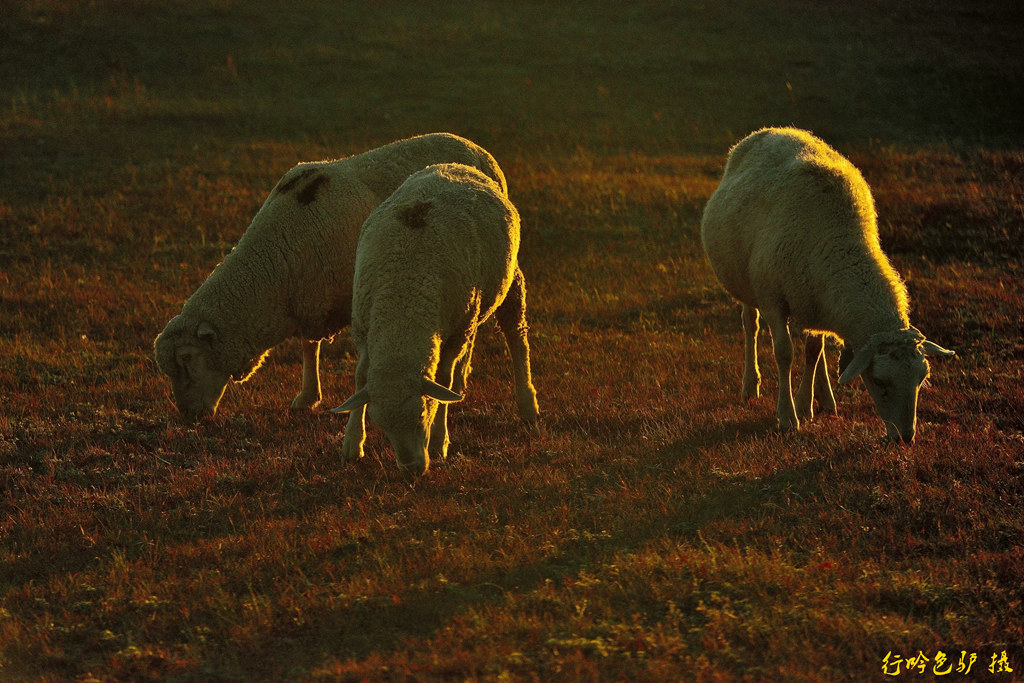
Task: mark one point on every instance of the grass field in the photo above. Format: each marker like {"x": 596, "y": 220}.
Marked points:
{"x": 657, "y": 529}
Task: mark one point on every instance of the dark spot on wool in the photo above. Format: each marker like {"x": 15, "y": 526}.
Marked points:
{"x": 287, "y": 185}
{"x": 307, "y": 195}
{"x": 415, "y": 217}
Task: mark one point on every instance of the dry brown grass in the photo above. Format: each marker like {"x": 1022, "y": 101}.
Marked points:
{"x": 657, "y": 529}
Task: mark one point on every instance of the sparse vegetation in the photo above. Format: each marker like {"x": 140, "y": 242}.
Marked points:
{"x": 657, "y": 529}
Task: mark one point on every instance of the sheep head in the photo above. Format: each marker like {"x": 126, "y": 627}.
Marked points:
{"x": 405, "y": 415}
{"x": 894, "y": 366}
{"x": 185, "y": 354}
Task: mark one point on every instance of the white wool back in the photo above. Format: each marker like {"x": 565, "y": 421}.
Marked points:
{"x": 434, "y": 261}
{"x": 291, "y": 272}
{"x": 792, "y": 228}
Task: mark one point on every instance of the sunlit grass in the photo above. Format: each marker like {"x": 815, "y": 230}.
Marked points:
{"x": 657, "y": 528}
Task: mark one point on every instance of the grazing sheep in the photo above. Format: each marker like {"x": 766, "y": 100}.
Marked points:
{"x": 290, "y": 275}
{"x": 435, "y": 260}
{"x": 791, "y": 232}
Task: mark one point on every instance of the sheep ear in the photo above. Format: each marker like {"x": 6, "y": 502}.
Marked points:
{"x": 435, "y": 391}
{"x": 861, "y": 360}
{"x": 934, "y": 349}
{"x": 356, "y": 400}
{"x": 206, "y": 333}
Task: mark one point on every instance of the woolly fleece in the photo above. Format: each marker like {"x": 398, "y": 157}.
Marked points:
{"x": 791, "y": 232}
{"x": 290, "y": 275}
{"x": 434, "y": 261}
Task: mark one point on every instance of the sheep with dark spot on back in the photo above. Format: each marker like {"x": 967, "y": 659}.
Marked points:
{"x": 791, "y": 232}
{"x": 434, "y": 261}
{"x": 290, "y": 275}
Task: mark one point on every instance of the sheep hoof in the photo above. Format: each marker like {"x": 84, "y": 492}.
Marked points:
{"x": 303, "y": 402}
{"x": 412, "y": 470}
{"x": 528, "y": 409}
{"x": 350, "y": 454}
{"x": 438, "y": 453}
{"x": 789, "y": 424}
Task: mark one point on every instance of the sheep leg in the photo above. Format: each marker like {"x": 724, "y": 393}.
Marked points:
{"x": 823, "y": 384}
{"x": 751, "y": 375}
{"x": 459, "y": 380}
{"x": 454, "y": 354}
{"x": 782, "y": 343}
{"x": 460, "y": 376}
{"x": 309, "y": 396}
{"x": 437, "y": 444}
{"x": 813, "y": 350}
{"x": 355, "y": 430}
{"x": 511, "y": 317}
